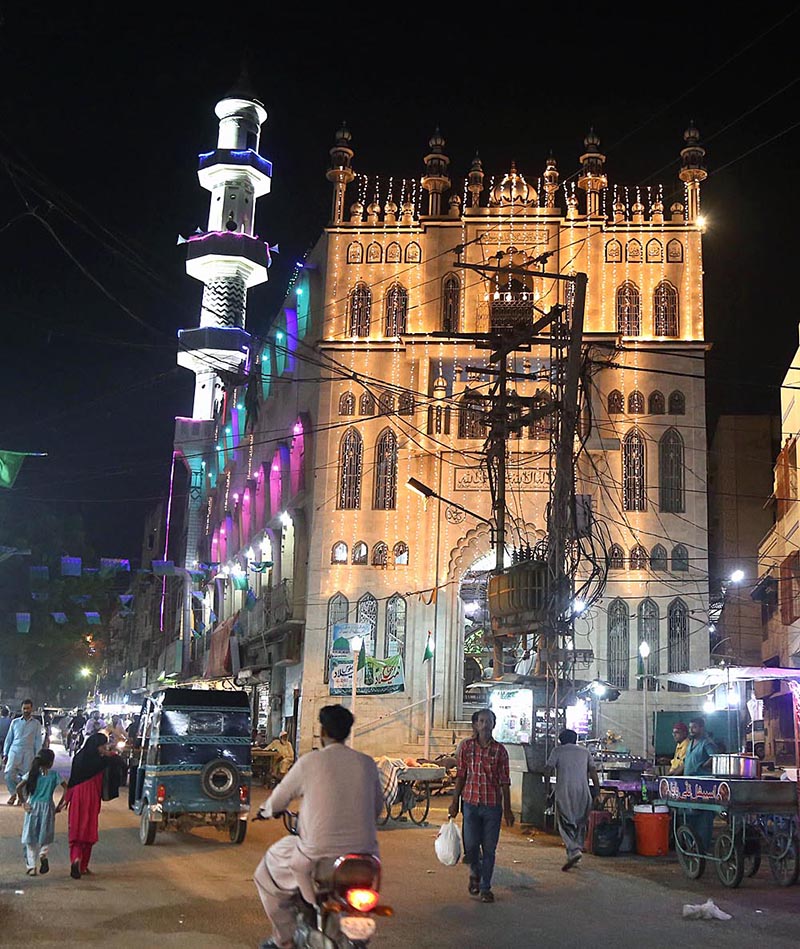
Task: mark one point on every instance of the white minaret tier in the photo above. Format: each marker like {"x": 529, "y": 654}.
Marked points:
{"x": 227, "y": 257}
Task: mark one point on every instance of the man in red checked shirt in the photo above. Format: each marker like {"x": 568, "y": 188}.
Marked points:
{"x": 484, "y": 786}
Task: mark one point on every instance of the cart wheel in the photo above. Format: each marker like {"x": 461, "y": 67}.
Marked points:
{"x": 419, "y": 801}
{"x": 784, "y": 858}
{"x": 399, "y": 805}
{"x": 729, "y": 852}
{"x": 752, "y": 852}
{"x": 385, "y": 815}
{"x": 689, "y": 856}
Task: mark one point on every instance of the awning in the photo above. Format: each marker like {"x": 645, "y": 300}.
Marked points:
{"x": 722, "y": 675}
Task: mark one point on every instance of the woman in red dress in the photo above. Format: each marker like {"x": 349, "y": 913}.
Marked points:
{"x": 83, "y": 796}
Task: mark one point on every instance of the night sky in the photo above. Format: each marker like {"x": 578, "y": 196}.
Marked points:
{"x": 102, "y": 115}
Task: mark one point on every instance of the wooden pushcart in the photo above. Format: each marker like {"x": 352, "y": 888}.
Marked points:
{"x": 413, "y": 795}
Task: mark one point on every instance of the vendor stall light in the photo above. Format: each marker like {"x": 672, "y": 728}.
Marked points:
{"x": 737, "y": 576}
{"x": 708, "y": 706}
{"x": 85, "y": 672}
{"x": 578, "y": 606}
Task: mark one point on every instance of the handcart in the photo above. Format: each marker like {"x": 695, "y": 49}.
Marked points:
{"x": 761, "y": 817}
{"x": 413, "y": 795}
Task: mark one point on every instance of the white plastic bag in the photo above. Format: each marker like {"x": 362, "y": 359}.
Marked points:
{"x": 707, "y": 910}
{"x": 448, "y": 844}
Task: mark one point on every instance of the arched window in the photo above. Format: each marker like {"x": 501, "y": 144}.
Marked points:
{"x": 616, "y": 557}
{"x": 413, "y": 253}
{"x": 355, "y": 253}
{"x": 633, "y": 251}
{"x": 396, "y": 310}
{"x": 351, "y": 457}
{"x": 677, "y": 403}
{"x": 633, "y": 472}
{"x": 616, "y": 402}
{"x": 636, "y": 403}
{"x": 680, "y": 559}
{"x": 400, "y": 553}
{"x": 613, "y": 252}
{"x": 656, "y": 404}
{"x": 395, "y": 644}
{"x": 618, "y": 643}
{"x": 339, "y": 552}
{"x": 338, "y": 610}
{"x": 394, "y": 253}
{"x": 451, "y": 303}
{"x": 347, "y": 404}
{"x": 385, "y": 492}
{"x": 366, "y": 404}
{"x": 677, "y": 641}
{"x": 670, "y": 472}
{"x": 360, "y": 553}
{"x": 367, "y": 612}
{"x": 374, "y": 253}
{"x": 629, "y": 310}
{"x": 438, "y": 411}
{"x": 639, "y": 558}
{"x": 674, "y": 252}
{"x": 654, "y": 252}
{"x": 648, "y": 633}
{"x": 405, "y": 404}
{"x": 665, "y": 309}
{"x": 380, "y": 555}
{"x": 360, "y": 310}
{"x": 658, "y": 558}
{"x": 470, "y": 417}
{"x": 386, "y": 403}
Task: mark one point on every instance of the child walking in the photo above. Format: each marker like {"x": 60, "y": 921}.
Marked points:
{"x": 37, "y": 789}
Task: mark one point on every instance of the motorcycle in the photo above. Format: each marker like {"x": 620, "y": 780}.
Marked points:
{"x": 346, "y": 894}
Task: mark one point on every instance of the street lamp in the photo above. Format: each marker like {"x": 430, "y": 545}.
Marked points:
{"x": 644, "y": 652}
{"x": 355, "y": 646}
{"x": 424, "y": 491}
{"x": 737, "y": 576}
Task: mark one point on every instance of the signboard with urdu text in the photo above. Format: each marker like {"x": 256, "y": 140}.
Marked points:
{"x": 376, "y": 677}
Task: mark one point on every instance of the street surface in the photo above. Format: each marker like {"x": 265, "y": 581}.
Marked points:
{"x": 195, "y": 890}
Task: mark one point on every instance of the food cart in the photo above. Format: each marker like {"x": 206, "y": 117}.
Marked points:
{"x": 407, "y": 790}
{"x": 760, "y": 816}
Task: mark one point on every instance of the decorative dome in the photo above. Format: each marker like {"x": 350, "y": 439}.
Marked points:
{"x": 592, "y": 140}
{"x": 437, "y": 141}
{"x": 356, "y": 208}
{"x": 513, "y": 189}
{"x": 343, "y": 136}
{"x": 390, "y": 207}
{"x": 374, "y": 208}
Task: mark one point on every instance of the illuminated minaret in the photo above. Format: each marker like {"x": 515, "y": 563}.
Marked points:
{"x": 693, "y": 171}
{"x": 227, "y": 257}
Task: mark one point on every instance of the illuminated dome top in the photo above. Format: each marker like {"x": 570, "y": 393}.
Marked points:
{"x": 513, "y": 190}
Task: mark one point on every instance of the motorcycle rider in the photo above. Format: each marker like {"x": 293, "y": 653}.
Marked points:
{"x": 342, "y": 799}
{"x": 76, "y": 724}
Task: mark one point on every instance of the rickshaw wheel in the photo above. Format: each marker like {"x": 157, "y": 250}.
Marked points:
{"x": 147, "y": 828}
{"x": 398, "y": 805}
{"x": 785, "y": 869}
{"x": 238, "y": 830}
{"x": 384, "y": 818}
{"x": 419, "y": 801}
{"x": 729, "y": 851}
{"x": 692, "y": 862}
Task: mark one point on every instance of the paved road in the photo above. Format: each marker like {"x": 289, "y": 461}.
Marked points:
{"x": 194, "y": 891}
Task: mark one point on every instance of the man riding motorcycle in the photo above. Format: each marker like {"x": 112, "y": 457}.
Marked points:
{"x": 342, "y": 799}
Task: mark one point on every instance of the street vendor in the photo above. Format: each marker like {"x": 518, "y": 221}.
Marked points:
{"x": 680, "y": 735}
{"x": 697, "y": 762}
{"x": 284, "y": 754}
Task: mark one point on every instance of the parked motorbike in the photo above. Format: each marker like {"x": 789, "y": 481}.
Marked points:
{"x": 346, "y": 894}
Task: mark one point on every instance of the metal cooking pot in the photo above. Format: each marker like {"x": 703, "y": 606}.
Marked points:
{"x": 735, "y": 766}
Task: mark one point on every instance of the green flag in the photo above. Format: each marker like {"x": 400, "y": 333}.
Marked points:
{"x": 362, "y": 657}
{"x": 10, "y": 463}
{"x": 428, "y": 649}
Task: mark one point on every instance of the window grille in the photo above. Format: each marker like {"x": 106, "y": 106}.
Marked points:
{"x": 665, "y": 309}
{"x": 367, "y": 612}
{"x": 405, "y": 404}
{"x": 396, "y": 310}
{"x": 629, "y": 310}
{"x": 360, "y": 310}
{"x": 339, "y": 552}
{"x": 677, "y": 641}
{"x": 656, "y": 404}
{"x": 616, "y": 402}
{"x": 386, "y": 403}
{"x": 385, "y": 493}
{"x": 338, "y": 611}
{"x": 451, "y": 303}
{"x": 633, "y": 472}
{"x": 648, "y": 633}
{"x": 347, "y": 404}
{"x": 360, "y": 553}
{"x": 680, "y": 559}
{"x": 366, "y": 404}
{"x": 470, "y": 418}
{"x": 380, "y": 555}
{"x": 618, "y": 641}
{"x": 395, "y": 626}
{"x": 639, "y": 558}
{"x": 677, "y": 403}
{"x": 670, "y": 472}
{"x": 658, "y": 558}
{"x": 636, "y": 403}
{"x": 351, "y": 455}
{"x": 400, "y": 553}
{"x": 616, "y": 558}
